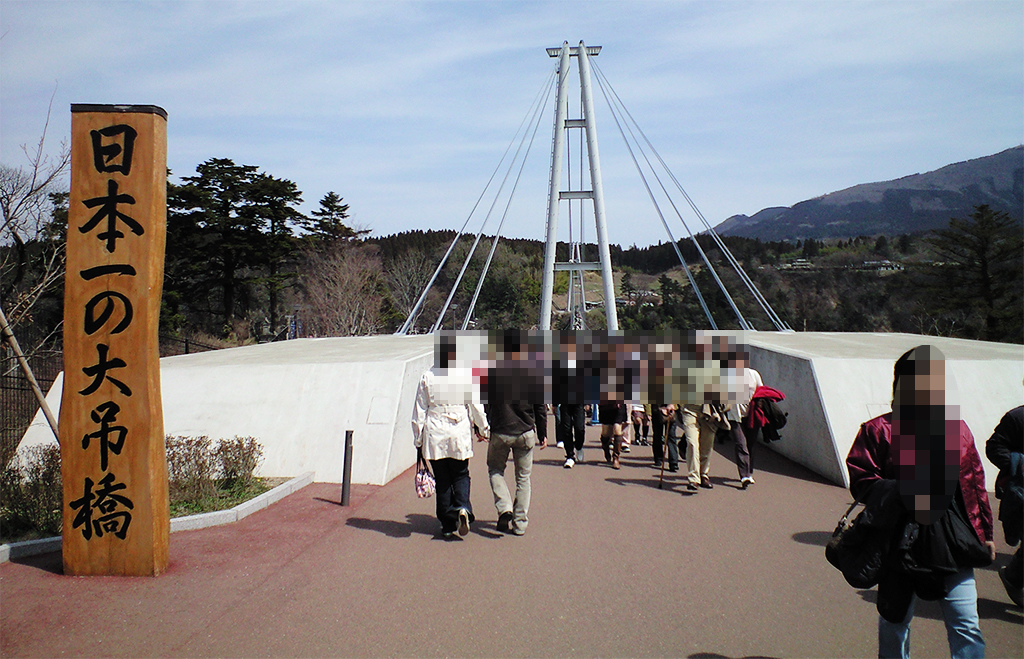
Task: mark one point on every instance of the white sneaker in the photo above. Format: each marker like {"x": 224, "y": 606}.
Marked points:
{"x": 559, "y": 445}
{"x": 569, "y": 462}
{"x": 746, "y": 482}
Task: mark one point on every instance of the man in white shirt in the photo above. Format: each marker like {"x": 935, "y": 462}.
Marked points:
{"x": 743, "y": 436}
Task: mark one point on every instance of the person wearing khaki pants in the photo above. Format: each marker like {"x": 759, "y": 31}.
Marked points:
{"x": 515, "y": 429}
{"x": 700, "y": 443}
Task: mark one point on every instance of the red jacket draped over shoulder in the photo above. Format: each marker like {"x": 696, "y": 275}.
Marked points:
{"x": 870, "y": 460}
{"x": 755, "y": 417}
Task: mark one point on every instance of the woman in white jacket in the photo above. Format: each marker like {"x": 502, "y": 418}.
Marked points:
{"x": 442, "y": 426}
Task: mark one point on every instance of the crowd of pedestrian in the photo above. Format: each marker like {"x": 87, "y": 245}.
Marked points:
{"x": 916, "y": 466}
{"x": 448, "y": 415}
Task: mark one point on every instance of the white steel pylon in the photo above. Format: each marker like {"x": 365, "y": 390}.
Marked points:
{"x": 556, "y": 194}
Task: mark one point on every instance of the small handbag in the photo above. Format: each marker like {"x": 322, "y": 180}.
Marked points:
{"x": 963, "y": 543}
{"x": 847, "y": 551}
{"x": 832, "y": 549}
{"x": 425, "y": 484}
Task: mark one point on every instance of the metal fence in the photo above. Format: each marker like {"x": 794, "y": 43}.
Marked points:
{"x": 172, "y": 345}
{"x": 18, "y": 405}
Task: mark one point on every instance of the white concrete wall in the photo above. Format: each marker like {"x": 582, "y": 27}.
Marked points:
{"x": 297, "y": 399}
{"x": 807, "y": 437}
{"x": 834, "y": 383}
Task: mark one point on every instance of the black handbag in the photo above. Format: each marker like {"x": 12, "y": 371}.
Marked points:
{"x": 858, "y": 546}
{"x": 842, "y": 528}
{"x": 963, "y": 542}
{"x": 845, "y": 548}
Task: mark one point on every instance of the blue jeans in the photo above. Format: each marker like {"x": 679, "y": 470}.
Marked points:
{"x": 960, "y": 612}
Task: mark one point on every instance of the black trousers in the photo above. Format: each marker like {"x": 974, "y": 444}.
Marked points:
{"x": 1015, "y": 568}
{"x": 452, "y": 491}
{"x": 571, "y": 426}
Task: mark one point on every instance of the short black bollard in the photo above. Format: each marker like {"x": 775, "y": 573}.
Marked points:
{"x": 346, "y": 478}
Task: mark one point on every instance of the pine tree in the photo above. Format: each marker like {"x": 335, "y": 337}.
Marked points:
{"x": 327, "y": 223}
{"x": 982, "y": 272}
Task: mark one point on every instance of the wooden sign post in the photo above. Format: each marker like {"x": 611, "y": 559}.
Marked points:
{"x": 113, "y": 462}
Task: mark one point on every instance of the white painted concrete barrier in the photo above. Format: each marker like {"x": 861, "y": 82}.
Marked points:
{"x": 298, "y": 397}
{"x": 836, "y": 381}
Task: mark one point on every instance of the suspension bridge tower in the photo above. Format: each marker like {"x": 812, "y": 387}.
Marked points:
{"x": 575, "y": 266}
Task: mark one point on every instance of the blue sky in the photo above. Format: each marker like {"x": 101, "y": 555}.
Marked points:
{"x": 405, "y": 108}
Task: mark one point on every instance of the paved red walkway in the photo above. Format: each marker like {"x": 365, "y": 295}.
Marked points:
{"x": 611, "y": 566}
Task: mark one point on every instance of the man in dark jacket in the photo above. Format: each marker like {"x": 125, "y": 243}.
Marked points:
{"x": 1005, "y": 448}
{"x": 518, "y": 419}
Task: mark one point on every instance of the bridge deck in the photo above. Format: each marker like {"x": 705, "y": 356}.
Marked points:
{"x": 610, "y": 566}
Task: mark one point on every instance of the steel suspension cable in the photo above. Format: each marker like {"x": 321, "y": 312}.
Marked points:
{"x": 664, "y": 222}
{"x": 537, "y": 101}
{"x": 700, "y": 250}
{"x": 423, "y": 296}
{"x": 744, "y": 277}
{"x": 758, "y": 296}
{"x": 751, "y": 286}
{"x": 512, "y": 193}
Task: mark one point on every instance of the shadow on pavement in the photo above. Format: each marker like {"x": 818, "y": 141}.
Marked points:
{"x": 676, "y": 486}
{"x": 1003, "y": 610}
{"x": 766, "y": 459}
{"x": 52, "y": 562}
{"x": 819, "y": 538}
{"x": 715, "y": 655}
{"x": 476, "y": 529}
{"x": 548, "y": 462}
{"x": 987, "y": 609}
{"x": 415, "y": 523}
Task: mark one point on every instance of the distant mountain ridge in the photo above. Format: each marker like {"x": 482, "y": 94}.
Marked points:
{"x": 920, "y": 202}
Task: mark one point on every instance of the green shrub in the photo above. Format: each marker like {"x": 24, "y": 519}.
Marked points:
{"x": 31, "y": 497}
{"x": 200, "y": 479}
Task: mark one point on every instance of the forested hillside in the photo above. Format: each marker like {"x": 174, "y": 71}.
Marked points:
{"x": 244, "y": 265}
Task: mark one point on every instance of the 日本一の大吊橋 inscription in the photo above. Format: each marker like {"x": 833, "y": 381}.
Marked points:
{"x": 116, "y": 517}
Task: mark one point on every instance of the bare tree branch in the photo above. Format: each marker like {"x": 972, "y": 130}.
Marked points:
{"x": 343, "y": 288}
{"x": 29, "y": 197}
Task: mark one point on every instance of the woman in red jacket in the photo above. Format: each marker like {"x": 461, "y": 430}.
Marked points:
{"x": 931, "y": 453}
